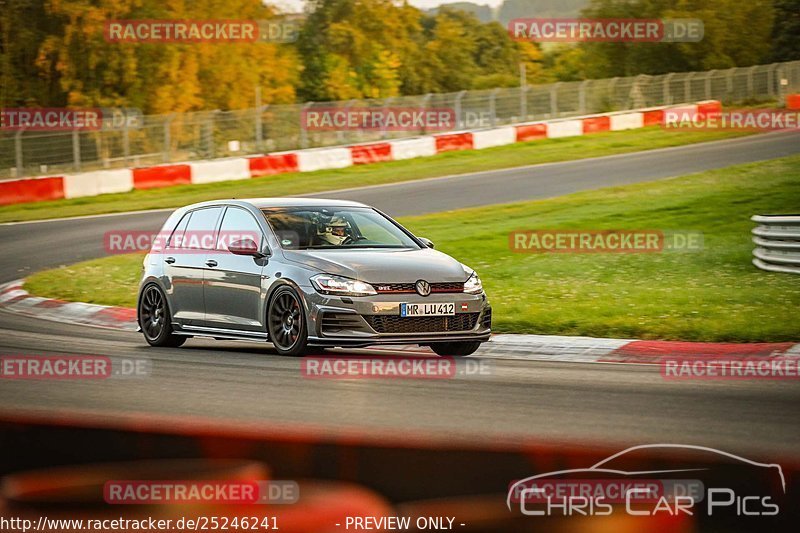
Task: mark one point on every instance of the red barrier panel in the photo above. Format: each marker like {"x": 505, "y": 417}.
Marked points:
{"x": 531, "y": 132}
{"x": 371, "y": 153}
{"x": 161, "y": 176}
{"x": 267, "y": 165}
{"x": 596, "y": 124}
{"x": 653, "y": 118}
{"x": 709, "y": 107}
{"x": 31, "y": 190}
{"x": 453, "y": 141}
{"x": 793, "y": 101}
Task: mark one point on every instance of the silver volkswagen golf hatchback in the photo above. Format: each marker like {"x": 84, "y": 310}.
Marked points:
{"x": 301, "y": 272}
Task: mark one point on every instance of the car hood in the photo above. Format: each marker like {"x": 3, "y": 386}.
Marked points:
{"x": 382, "y": 266}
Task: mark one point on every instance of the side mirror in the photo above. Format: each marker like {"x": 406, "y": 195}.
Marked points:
{"x": 246, "y": 247}
{"x": 426, "y": 242}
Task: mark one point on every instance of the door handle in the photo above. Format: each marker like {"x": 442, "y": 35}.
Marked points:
{"x": 211, "y": 263}
{"x": 169, "y": 260}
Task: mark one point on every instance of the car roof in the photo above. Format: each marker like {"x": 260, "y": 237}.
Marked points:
{"x": 264, "y": 203}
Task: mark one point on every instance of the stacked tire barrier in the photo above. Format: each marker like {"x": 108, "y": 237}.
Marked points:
{"x": 777, "y": 240}
{"x": 240, "y": 168}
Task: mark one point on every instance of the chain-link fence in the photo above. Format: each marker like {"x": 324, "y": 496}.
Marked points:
{"x": 204, "y": 135}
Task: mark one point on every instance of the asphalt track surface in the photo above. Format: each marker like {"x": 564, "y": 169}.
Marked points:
{"x": 246, "y": 383}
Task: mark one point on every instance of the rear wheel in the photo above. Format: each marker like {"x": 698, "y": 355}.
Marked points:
{"x": 457, "y": 349}
{"x": 286, "y": 323}
{"x": 155, "y": 320}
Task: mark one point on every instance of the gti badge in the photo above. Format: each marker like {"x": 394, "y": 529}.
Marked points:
{"x": 423, "y": 287}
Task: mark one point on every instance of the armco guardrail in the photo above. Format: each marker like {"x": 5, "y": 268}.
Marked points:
{"x": 777, "y": 240}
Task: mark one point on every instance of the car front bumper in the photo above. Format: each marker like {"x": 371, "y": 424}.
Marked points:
{"x": 364, "y": 321}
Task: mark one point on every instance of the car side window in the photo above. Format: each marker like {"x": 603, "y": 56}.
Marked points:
{"x": 238, "y": 224}
{"x": 176, "y": 238}
{"x": 200, "y": 231}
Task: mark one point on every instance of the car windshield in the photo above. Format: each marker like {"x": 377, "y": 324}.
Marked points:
{"x": 304, "y": 228}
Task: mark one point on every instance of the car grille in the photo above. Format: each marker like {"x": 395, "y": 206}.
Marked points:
{"x": 422, "y": 324}
{"x": 456, "y": 286}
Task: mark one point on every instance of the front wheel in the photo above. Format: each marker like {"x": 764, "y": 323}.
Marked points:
{"x": 286, "y": 323}
{"x": 457, "y": 349}
{"x": 154, "y": 319}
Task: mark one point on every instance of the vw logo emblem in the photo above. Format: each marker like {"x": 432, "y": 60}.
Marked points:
{"x": 423, "y": 287}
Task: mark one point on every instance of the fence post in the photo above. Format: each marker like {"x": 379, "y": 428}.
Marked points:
{"x": 76, "y": 150}
{"x": 385, "y": 107}
{"x": 210, "y": 144}
{"x": 666, "y": 96}
{"x": 687, "y": 87}
{"x": 457, "y": 105}
{"x": 493, "y": 107}
{"x": 303, "y": 131}
{"x": 259, "y": 125}
{"x": 422, "y": 107}
{"x": 729, "y": 78}
{"x": 167, "y": 139}
{"x": 709, "y": 75}
{"x": 771, "y": 79}
{"x": 18, "y": 152}
{"x": 554, "y": 99}
{"x": 750, "y": 82}
{"x": 523, "y": 103}
{"x": 126, "y": 143}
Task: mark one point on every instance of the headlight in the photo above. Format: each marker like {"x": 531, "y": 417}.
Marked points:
{"x": 473, "y": 285}
{"x": 338, "y": 285}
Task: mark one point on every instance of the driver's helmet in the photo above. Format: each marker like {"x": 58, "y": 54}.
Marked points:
{"x": 336, "y": 231}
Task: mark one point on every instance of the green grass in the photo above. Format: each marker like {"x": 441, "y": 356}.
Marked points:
{"x": 543, "y": 151}
{"x": 715, "y": 294}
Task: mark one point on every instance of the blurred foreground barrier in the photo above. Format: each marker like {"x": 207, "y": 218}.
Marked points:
{"x": 65, "y": 498}
{"x": 777, "y": 240}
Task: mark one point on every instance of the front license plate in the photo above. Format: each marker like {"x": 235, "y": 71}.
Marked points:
{"x": 427, "y": 309}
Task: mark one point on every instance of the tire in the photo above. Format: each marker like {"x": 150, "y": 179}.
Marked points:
{"x": 456, "y": 349}
{"x": 286, "y": 323}
{"x": 154, "y": 318}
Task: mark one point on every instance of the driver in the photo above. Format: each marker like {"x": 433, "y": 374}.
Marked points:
{"x": 337, "y": 231}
